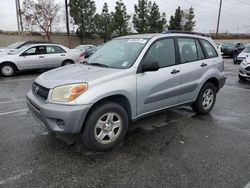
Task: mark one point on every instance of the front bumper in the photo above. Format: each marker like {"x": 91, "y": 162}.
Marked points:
{"x": 243, "y": 72}
{"x": 57, "y": 117}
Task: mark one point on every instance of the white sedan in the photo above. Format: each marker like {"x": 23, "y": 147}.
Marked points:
{"x": 38, "y": 56}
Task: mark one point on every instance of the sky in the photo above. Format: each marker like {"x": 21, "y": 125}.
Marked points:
{"x": 235, "y": 14}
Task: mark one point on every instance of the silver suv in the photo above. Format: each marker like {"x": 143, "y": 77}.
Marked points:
{"x": 127, "y": 79}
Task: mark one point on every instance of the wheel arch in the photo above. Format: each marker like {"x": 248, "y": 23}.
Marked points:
{"x": 9, "y": 62}
{"x": 118, "y": 98}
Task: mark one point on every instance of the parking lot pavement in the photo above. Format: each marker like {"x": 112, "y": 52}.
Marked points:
{"x": 175, "y": 148}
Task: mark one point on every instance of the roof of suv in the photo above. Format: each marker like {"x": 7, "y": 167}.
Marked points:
{"x": 151, "y": 35}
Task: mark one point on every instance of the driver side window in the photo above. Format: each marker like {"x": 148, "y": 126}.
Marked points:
{"x": 38, "y": 50}
{"x": 162, "y": 52}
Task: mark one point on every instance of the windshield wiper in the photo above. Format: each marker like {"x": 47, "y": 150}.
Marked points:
{"x": 98, "y": 64}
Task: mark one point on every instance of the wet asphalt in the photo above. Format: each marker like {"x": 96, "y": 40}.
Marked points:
{"x": 174, "y": 148}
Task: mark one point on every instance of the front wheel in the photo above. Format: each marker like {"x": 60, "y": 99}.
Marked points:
{"x": 7, "y": 69}
{"x": 241, "y": 78}
{"x": 205, "y": 100}
{"x": 105, "y": 127}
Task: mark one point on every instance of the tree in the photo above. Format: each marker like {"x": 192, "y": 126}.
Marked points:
{"x": 140, "y": 18}
{"x": 175, "y": 22}
{"x": 120, "y": 19}
{"x": 83, "y": 14}
{"x": 104, "y": 24}
{"x": 40, "y": 14}
{"x": 156, "y": 21}
{"x": 188, "y": 20}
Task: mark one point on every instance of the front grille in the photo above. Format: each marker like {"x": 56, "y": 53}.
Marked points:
{"x": 248, "y": 68}
{"x": 40, "y": 91}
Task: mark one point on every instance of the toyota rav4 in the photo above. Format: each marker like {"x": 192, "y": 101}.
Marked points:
{"x": 128, "y": 78}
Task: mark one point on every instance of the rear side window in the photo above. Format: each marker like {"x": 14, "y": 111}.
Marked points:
{"x": 163, "y": 52}
{"x": 54, "y": 50}
{"x": 200, "y": 51}
{"x": 188, "y": 50}
{"x": 210, "y": 51}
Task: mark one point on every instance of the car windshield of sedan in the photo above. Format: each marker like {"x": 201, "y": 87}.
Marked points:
{"x": 118, "y": 53}
{"x": 15, "y": 45}
{"x": 229, "y": 45}
{"x": 19, "y": 50}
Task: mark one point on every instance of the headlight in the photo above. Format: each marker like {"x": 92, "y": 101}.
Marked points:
{"x": 244, "y": 63}
{"x": 69, "y": 92}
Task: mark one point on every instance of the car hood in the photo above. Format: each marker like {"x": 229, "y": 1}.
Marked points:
{"x": 74, "y": 74}
{"x": 243, "y": 54}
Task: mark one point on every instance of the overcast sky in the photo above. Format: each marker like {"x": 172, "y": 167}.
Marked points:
{"x": 235, "y": 13}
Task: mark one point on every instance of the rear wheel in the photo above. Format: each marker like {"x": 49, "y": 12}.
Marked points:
{"x": 7, "y": 69}
{"x": 67, "y": 62}
{"x": 105, "y": 127}
{"x": 206, "y": 99}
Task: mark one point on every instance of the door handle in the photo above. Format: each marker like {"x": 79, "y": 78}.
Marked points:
{"x": 41, "y": 57}
{"x": 175, "y": 71}
{"x": 203, "y": 65}
{"x": 63, "y": 55}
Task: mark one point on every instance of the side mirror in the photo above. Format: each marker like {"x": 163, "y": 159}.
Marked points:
{"x": 24, "y": 54}
{"x": 150, "y": 66}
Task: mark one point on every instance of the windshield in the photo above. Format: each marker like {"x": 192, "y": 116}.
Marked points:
{"x": 15, "y": 45}
{"x": 229, "y": 45}
{"x": 118, "y": 53}
{"x": 19, "y": 50}
{"x": 247, "y": 49}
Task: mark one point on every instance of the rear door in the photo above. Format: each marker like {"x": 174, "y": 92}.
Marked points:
{"x": 197, "y": 57}
{"x": 55, "y": 56}
{"x": 159, "y": 89}
{"x": 32, "y": 58}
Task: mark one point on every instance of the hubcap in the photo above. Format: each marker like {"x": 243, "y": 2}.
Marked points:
{"x": 108, "y": 128}
{"x": 7, "y": 70}
{"x": 207, "y": 99}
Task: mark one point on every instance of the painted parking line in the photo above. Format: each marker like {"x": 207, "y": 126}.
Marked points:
{"x": 13, "y": 112}
{"x": 17, "y": 100}
{"x": 15, "y": 80}
{"x": 16, "y": 177}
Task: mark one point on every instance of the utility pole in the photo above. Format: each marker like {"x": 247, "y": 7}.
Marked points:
{"x": 20, "y": 16}
{"x": 67, "y": 21}
{"x": 218, "y": 23}
{"x": 17, "y": 18}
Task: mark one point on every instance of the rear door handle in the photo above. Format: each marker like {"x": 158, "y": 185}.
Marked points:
{"x": 63, "y": 55}
{"x": 175, "y": 71}
{"x": 41, "y": 57}
{"x": 203, "y": 65}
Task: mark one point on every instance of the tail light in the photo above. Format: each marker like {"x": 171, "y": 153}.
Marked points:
{"x": 82, "y": 54}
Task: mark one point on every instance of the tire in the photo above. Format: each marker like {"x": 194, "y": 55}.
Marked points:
{"x": 7, "y": 69}
{"x": 205, "y": 100}
{"x": 241, "y": 78}
{"x": 67, "y": 62}
{"x": 102, "y": 129}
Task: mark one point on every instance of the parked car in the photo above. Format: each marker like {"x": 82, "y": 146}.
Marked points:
{"x": 243, "y": 55}
{"x": 11, "y": 48}
{"x": 244, "y": 70}
{"x": 147, "y": 73}
{"x": 232, "y": 49}
{"x": 37, "y": 56}
{"x": 87, "y": 50}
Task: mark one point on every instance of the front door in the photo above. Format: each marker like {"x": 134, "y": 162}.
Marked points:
{"x": 33, "y": 58}
{"x": 159, "y": 89}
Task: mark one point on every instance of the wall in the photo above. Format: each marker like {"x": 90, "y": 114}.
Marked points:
{"x": 6, "y": 40}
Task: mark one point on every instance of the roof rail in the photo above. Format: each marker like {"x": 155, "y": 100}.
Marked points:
{"x": 184, "y": 32}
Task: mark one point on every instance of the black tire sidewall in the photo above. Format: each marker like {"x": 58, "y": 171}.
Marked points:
{"x": 242, "y": 78}
{"x": 197, "y": 106}
{"x": 88, "y": 133}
